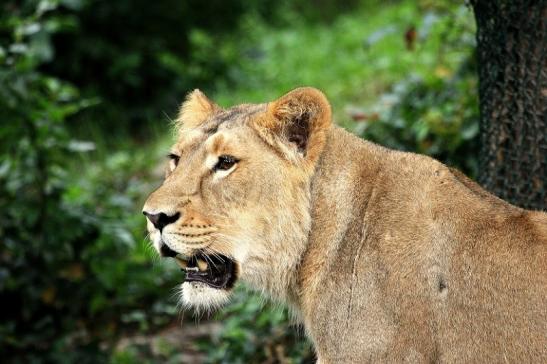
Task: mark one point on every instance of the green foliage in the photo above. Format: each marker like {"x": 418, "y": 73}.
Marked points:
{"x": 33, "y": 106}
{"x": 66, "y": 279}
{"x": 255, "y": 332}
{"x": 437, "y": 117}
{"x": 434, "y": 112}
{"x": 137, "y": 54}
{"x": 141, "y": 56}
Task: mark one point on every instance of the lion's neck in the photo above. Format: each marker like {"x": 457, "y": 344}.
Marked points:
{"x": 339, "y": 193}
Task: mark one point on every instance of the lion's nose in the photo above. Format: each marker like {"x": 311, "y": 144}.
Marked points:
{"x": 161, "y": 220}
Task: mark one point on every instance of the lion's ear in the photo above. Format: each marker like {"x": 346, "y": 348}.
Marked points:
{"x": 195, "y": 110}
{"x": 300, "y": 119}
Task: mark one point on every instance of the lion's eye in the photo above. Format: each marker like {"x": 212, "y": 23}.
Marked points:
{"x": 225, "y": 162}
{"x": 173, "y": 161}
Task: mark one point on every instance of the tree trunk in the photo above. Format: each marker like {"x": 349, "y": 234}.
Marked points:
{"x": 511, "y": 49}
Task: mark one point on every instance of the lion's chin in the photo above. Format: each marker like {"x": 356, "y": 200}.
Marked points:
{"x": 202, "y": 297}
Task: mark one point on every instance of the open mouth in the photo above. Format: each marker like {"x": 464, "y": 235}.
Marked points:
{"x": 216, "y": 271}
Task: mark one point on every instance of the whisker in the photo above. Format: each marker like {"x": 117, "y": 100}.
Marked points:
{"x": 150, "y": 251}
{"x": 175, "y": 294}
{"x": 215, "y": 254}
{"x": 209, "y": 258}
{"x": 219, "y": 257}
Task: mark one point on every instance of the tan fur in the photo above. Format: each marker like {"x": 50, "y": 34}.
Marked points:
{"x": 195, "y": 109}
{"x": 385, "y": 256}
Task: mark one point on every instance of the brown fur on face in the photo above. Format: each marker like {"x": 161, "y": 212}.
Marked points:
{"x": 385, "y": 256}
{"x": 260, "y": 206}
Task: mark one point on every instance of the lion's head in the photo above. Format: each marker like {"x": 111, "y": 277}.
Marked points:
{"x": 235, "y": 202}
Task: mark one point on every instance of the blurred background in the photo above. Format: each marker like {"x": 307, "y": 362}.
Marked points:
{"x": 88, "y": 89}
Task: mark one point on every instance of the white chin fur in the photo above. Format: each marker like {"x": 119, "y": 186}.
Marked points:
{"x": 201, "y": 297}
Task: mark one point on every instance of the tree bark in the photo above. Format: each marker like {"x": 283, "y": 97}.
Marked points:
{"x": 511, "y": 49}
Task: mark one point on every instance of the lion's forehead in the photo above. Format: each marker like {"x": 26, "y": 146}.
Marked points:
{"x": 221, "y": 141}
{"x": 220, "y": 130}
{"x": 233, "y": 117}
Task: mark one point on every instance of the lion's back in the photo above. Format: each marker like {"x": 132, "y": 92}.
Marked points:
{"x": 464, "y": 268}
{"x": 486, "y": 264}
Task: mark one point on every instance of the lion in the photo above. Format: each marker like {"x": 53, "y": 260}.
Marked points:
{"x": 384, "y": 256}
